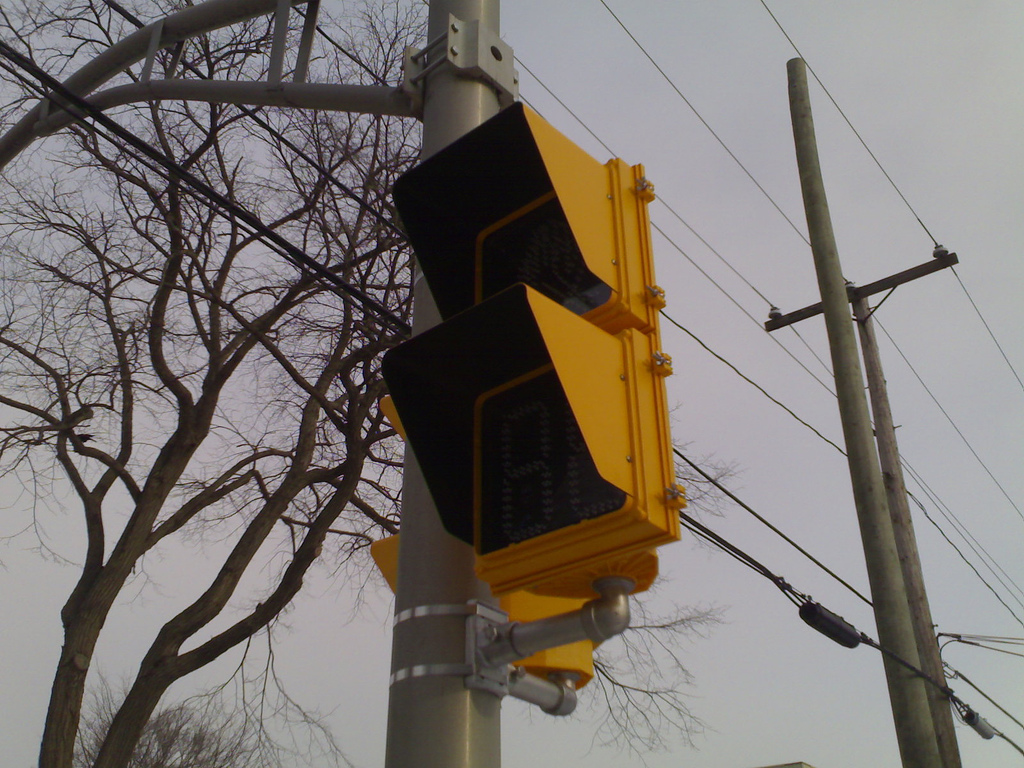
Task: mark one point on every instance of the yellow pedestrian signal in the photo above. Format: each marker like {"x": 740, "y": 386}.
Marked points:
{"x": 537, "y": 408}
{"x": 543, "y": 440}
{"x": 515, "y": 201}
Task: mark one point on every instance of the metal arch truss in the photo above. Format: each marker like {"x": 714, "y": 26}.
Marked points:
{"x": 473, "y": 52}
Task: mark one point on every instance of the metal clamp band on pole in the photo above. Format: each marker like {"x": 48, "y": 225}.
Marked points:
{"x": 430, "y": 670}
{"x": 472, "y": 51}
{"x": 421, "y": 611}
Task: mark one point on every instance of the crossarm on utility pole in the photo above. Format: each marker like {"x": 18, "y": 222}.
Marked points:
{"x": 940, "y": 261}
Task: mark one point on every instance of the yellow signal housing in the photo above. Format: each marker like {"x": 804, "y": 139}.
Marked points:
{"x": 515, "y": 201}
{"x": 642, "y": 565}
{"x": 537, "y": 409}
{"x": 387, "y": 407}
{"x": 385, "y": 556}
{"x": 544, "y": 441}
{"x": 614, "y": 391}
{"x": 575, "y": 660}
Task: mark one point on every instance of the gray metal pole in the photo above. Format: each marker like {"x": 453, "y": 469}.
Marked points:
{"x": 434, "y": 721}
{"x": 906, "y": 542}
{"x": 914, "y": 731}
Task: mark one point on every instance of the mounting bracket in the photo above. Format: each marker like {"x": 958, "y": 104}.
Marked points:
{"x": 492, "y": 642}
{"x": 470, "y": 49}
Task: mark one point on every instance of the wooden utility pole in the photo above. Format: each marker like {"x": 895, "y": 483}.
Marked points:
{"x": 908, "y": 698}
{"x": 903, "y": 529}
{"x": 895, "y": 488}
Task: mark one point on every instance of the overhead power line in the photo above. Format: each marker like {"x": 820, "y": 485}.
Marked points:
{"x": 852, "y": 128}
{"x": 702, "y": 531}
{"x": 952, "y": 423}
{"x": 82, "y": 109}
{"x": 735, "y": 302}
{"x": 750, "y": 381}
{"x": 969, "y": 564}
{"x": 899, "y": 192}
{"x": 1000, "y": 573}
{"x": 675, "y": 246}
{"x": 963, "y": 637}
{"x": 976, "y": 546}
{"x": 834, "y": 627}
{"x": 987, "y": 642}
{"x": 988, "y": 328}
{"x": 706, "y": 124}
{"x": 711, "y": 479}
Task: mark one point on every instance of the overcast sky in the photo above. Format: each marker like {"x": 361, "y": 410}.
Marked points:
{"x": 936, "y": 89}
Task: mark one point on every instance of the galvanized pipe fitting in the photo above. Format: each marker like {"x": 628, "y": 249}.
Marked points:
{"x": 555, "y": 696}
{"x": 597, "y": 620}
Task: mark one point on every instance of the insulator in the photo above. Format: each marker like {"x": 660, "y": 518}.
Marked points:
{"x": 980, "y": 724}
{"x": 831, "y": 625}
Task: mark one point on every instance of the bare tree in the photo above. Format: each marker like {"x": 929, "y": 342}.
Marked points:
{"x": 200, "y": 733}
{"x": 159, "y": 358}
{"x": 642, "y": 681}
{"x": 642, "y": 678}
